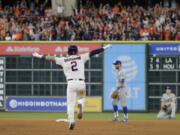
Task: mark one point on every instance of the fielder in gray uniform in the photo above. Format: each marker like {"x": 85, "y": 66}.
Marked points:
{"x": 120, "y": 93}
{"x": 168, "y": 105}
{"x": 73, "y": 67}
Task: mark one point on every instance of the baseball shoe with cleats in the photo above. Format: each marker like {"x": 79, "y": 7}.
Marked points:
{"x": 171, "y": 117}
{"x": 115, "y": 119}
{"x": 124, "y": 120}
{"x": 71, "y": 125}
{"x": 80, "y": 112}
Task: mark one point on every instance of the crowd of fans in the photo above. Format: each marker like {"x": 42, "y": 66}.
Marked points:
{"x": 23, "y": 21}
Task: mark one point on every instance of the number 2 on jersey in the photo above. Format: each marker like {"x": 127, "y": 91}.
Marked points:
{"x": 74, "y": 66}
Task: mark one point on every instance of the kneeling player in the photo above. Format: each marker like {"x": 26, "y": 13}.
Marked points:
{"x": 168, "y": 105}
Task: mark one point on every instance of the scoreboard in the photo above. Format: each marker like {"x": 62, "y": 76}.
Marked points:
{"x": 164, "y": 57}
{"x": 163, "y": 69}
{"x": 164, "y": 62}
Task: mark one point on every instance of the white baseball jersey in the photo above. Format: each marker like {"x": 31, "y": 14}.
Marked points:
{"x": 122, "y": 95}
{"x": 73, "y": 65}
{"x": 168, "y": 98}
{"x": 121, "y": 76}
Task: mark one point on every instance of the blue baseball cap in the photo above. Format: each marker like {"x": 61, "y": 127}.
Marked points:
{"x": 168, "y": 87}
{"x": 117, "y": 62}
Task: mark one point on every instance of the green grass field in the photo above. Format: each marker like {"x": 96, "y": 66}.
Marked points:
{"x": 86, "y": 115}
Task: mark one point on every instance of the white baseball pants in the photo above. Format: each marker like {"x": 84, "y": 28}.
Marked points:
{"x": 76, "y": 90}
{"x": 165, "y": 115}
{"x": 122, "y": 98}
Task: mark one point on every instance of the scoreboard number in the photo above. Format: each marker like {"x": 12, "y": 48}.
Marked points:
{"x": 164, "y": 62}
{"x": 154, "y": 63}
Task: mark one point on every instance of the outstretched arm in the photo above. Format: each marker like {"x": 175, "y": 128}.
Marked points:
{"x": 44, "y": 57}
{"x": 97, "y": 51}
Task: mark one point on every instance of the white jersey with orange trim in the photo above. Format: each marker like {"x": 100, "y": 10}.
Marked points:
{"x": 73, "y": 65}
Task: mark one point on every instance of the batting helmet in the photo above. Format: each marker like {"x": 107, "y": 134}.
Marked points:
{"x": 72, "y": 50}
{"x": 117, "y": 62}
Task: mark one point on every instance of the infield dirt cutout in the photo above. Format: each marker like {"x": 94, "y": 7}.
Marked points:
{"x": 40, "y": 126}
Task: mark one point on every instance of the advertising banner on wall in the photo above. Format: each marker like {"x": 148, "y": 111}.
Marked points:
{"x": 35, "y": 104}
{"x": 132, "y": 58}
{"x": 168, "y": 48}
{"x": 43, "y": 48}
{"x": 93, "y": 104}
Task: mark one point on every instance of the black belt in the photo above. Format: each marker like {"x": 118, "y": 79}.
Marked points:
{"x": 75, "y": 79}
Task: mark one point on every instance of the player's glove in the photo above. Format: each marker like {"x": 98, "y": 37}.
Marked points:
{"x": 107, "y": 46}
{"x": 115, "y": 94}
{"x": 165, "y": 108}
{"x": 37, "y": 55}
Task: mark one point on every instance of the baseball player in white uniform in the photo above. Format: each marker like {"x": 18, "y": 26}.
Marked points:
{"x": 168, "y": 105}
{"x": 120, "y": 93}
{"x": 73, "y": 66}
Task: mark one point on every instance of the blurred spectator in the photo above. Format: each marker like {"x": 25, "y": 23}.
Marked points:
{"x": 60, "y": 10}
{"x": 27, "y": 20}
{"x": 178, "y": 36}
{"x": 8, "y": 37}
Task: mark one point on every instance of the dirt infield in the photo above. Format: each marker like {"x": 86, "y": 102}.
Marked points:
{"x": 21, "y": 126}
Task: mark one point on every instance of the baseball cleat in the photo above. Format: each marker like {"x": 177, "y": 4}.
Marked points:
{"x": 171, "y": 118}
{"x": 115, "y": 119}
{"x": 80, "y": 112}
{"x": 71, "y": 125}
{"x": 124, "y": 120}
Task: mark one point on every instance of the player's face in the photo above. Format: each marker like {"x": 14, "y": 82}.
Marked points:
{"x": 118, "y": 66}
{"x": 168, "y": 91}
